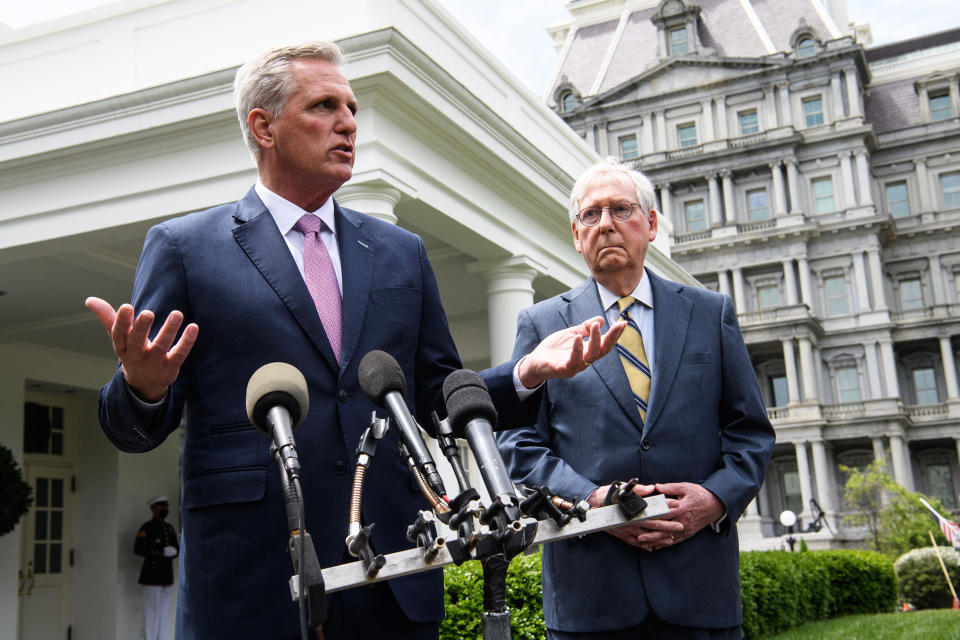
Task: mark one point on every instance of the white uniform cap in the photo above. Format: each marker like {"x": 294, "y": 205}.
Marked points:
{"x": 156, "y": 499}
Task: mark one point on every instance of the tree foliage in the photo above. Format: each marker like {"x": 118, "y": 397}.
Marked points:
{"x": 16, "y": 496}
{"x": 894, "y": 517}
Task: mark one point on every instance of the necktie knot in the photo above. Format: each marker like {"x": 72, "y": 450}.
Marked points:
{"x": 309, "y": 223}
{"x": 624, "y": 304}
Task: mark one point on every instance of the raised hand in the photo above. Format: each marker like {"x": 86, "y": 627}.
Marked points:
{"x": 565, "y": 353}
{"x": 149, "y": 366}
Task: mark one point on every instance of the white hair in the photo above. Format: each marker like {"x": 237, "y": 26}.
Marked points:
{"x": 265, "y": 82}
{"x": 610, "y": 166}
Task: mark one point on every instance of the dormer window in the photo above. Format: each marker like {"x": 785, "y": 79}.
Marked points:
{"x": 804, "y": 41}
{"x": 678, "y": 41}
{"x": 937, "y": 96}
{"x": 678, "y": 32}
{"x": 806, "y": 47}
{"x": 568, "y": 101}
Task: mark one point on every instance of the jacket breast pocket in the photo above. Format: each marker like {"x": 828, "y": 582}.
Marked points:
{"x": 698, "y": 357}
{"x": 394, "y": 295}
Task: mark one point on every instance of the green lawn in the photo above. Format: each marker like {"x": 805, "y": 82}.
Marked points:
{"x": 935, "y": 624}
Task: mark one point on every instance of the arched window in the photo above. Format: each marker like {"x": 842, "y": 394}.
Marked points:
{"x": 568, "y": 101}
{"x": 806, "y": 47}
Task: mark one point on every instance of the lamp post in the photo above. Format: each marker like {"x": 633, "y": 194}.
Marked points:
{"x": 789, "y": 520}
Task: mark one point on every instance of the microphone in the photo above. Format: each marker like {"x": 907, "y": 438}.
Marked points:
{"x": 277, "y": 402}
{"x": 382, "y": 381}
{"x": 473, "y": 416}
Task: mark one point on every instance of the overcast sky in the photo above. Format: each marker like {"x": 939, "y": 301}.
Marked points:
{"x": 515, "y": 30}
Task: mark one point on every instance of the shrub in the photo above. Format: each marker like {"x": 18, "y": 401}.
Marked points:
{"x": 15, "y": 494}
{"x": 922, "y": 582}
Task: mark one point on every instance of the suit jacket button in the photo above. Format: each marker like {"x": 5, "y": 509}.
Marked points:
{"x": 339, "y": 467}
{"x": 343, "y": 396}
{"x": 645, "y": 445}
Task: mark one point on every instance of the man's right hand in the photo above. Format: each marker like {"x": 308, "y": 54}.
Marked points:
{"x": 149, "y": 366}
{"x": 669, "y": 530}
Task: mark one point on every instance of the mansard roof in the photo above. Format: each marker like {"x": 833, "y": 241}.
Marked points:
{"x": 602, "y": 56}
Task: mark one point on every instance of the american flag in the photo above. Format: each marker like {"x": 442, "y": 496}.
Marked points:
{"x": 950, "y": 529}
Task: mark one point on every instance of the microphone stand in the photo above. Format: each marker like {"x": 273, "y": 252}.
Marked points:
{"x": 306, "y": 585}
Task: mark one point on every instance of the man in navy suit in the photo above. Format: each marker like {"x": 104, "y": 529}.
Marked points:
{"x": 239, "y": 272}
{"x": 704, "y": 440}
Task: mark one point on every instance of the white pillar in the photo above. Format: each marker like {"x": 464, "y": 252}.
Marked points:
{"x": 509, "y": 291}
{"x": 715, "y": 215}
{"x": 786, "y": 118}
{"x": 723, "y": 282}
{"x": 806, "y": 293}
{"x": 923, "y": 185}
{"x": 900, "y": 455}
{"x": 826, "y": 487}
{"x": 878, "y": 451}
{"x": 936, "y": 279}
{"x": 803, "y": 471}
{"x": 873, "y": 370}
{"x": 661, "y": 130}
{"x": 779, "y": 197}
{"x": 603, "y": 138}
{"x": 876, "y": 278}
{"x": 790, "y": 367}
{"x": 646, "y": 133}
{"x": 666, "y": 203}
{"x": 769, "y": 107}
{"x": 707, "y": 106}
{"x": 722, "y": 118}
{"x": 949, "y": 368}
{"x": 739, "y": 298}
{"x": 592, "y": 137}
{"x": 853, "y": 94}
{"x": 837, "y": 95}
{"x": 860, "y": 277}
{"x": 866, "y": 184}
{"x": 375, "y": 198}
{"x": 846, "y": 180}
{"x": 808, "y": 370}
{"x": 790, "y": 281}
{"x": 729, "y": 205}
{"x": 889, "y": 369}
{"x": 793, "y": 184}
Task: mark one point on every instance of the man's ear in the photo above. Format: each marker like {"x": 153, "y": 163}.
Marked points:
{"x": 653, "y": 224}
{"x": 576, "y": 236}
{"x": 259, "y": 122}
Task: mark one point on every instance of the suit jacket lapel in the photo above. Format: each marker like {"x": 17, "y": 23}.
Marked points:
{"x": 671, "y": 318}
{"x": 584, "y": 303}
{"x": 356, "y": 263}
{"x": 259, "y": 238}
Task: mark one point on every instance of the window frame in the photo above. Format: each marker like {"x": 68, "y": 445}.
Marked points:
{"x": 756, "y": 122}
{"x": 951, "y": 197}
{"x": 917, "y": 390}
{"x": 939, "y": 113}
{"x": 912, "y": 278}
{"x": 750, "y": 209}
{"x": 828, "y": 179}
{"x": 688, "y": 142}
{"x": 818, "y": 117}
{"x": 892, "y": 205}
{"x": 672, "y": 44}
{"x": 839, "y": 371}
{"x": 687, "y": 206}
{"x": 806, "y": 46}
{"x": 630, "y": 137}
{"x": 827, "y": 298}
{"x": 768, "y": 285}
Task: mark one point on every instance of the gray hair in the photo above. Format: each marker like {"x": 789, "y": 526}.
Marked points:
{"x": 265, "y": 82}
{"x": 610, "y": 166}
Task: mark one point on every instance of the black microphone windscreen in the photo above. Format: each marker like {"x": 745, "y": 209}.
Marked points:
{"x": 379, "y": 373}
{"x": 277, "y": 384}
{"x": 467, "y": 398}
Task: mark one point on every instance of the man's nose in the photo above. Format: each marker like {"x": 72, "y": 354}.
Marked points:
{"x": 346, "y": 122}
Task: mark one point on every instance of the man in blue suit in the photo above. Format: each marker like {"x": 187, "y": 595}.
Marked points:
{"x": 242, "y": 272}
{"x": 698, "y": 433}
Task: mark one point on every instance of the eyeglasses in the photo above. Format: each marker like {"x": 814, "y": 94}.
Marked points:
{"x": 622, "y": 210}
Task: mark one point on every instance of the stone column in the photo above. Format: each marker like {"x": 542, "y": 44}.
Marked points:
{"x": 666, "y": 203}
{"x": 646, "y": 133}
{"x": 707, "y": 106}
{"x": 826, "y": 486}
{"x": 873, "y": 370}
{"x": 803, "y": 470}
{"x": 790, "y": 367}
{"x": 723, "y": 282}
{"x": 853, "y": 94}
{"x": 786, "y": 118}
{"x": 860, "y": 276}
{"x": 739, "y": 298}
{"x": 866, "y": 184}
{"x": 936, "y": 280}
{"x": 661, "y": 130}
{"x": 900, "y": 456}
{"x": 374, "y": 198}
{"x": 923, "y": 185}
{"x": 769, "y": 107}
{"x": 876, "y": 278}
{"x": 793, "y": 184}
{"x": 837, "y": 95}
{"x": 790, "y": 281}
{"x": 715, "y": 218}
{"x": 729, "y": 204}
{"x": 779, "y": 197}
{"x": 723, "y": 132}
{"x": 949, "y": 368}
{"x": 604, "y": 139}
{"x": 889, "y": 368}
{"x": 591, "y": 137}
{"x": 846, "y": 180}
{"x": 806, "y": 293}
{"x": 509, "y": 291}
{"x": 808, "y": 369}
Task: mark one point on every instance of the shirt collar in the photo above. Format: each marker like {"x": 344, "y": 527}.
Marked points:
{"x": 643, "y": 293}
{"x": 286, "y": 214}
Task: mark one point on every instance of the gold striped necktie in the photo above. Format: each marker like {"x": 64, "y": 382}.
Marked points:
{"x": 634, "y": 357}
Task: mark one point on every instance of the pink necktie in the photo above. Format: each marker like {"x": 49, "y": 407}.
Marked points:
{"x": 321, "y": 279}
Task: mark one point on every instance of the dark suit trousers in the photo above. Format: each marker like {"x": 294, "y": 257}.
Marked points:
{"x": 372, "y": 613}
{"x": 653, "y": 628}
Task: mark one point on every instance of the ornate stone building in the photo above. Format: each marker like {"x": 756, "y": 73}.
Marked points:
{"x": 816, "y": 180}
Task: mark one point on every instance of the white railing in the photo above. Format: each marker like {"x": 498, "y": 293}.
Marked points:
{"x": 921, "y": 411}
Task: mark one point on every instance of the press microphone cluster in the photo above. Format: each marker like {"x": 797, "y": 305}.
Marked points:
{"x": 383, "y": 382}
{"x": 277, "y": 402}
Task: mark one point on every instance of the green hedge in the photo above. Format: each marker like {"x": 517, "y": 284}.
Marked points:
{"x": 780, "y": 590}
{"x": 922, "y": 582}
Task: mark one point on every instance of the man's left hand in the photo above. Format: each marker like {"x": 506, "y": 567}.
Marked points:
{"x": 565, "y": 353}
{"x": 694, "y": 507}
